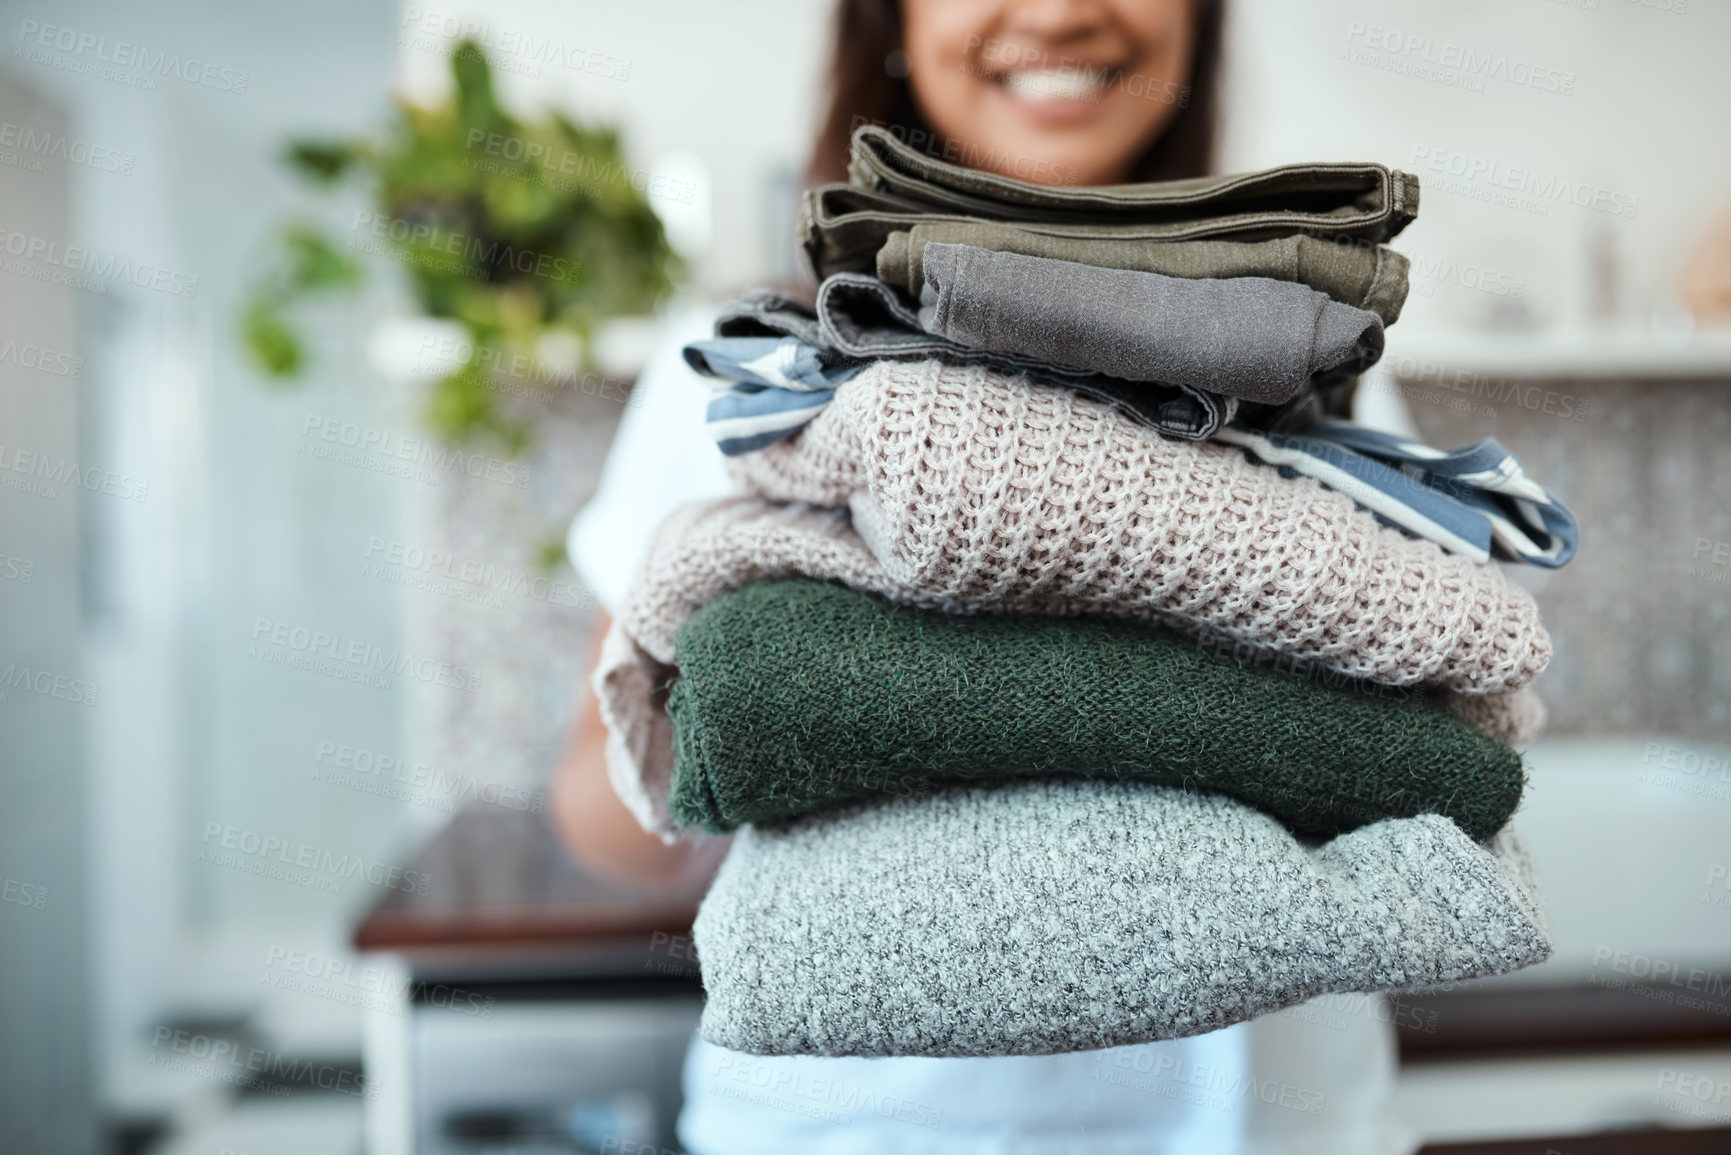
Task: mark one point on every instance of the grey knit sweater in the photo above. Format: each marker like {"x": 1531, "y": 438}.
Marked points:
{"x": 1049, "y": 916}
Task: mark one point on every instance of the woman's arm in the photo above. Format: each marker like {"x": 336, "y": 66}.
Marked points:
{"x": 598, "y": 831}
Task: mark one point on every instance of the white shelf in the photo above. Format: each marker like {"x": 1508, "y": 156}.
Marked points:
{"x": 1421, "y": 353}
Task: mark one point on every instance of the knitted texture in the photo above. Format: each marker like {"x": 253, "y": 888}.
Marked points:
{"x": 794, "y": 696}
{"x": 703, "y": 551}
{"x": 1048, "y": 915}
{"x": 977, "y": 487}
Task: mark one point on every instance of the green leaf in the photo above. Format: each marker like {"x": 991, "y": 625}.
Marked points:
{"x": 324, "y": 161}
{"x": 462, "y": 409}
{"x": 476, "y": 107}
{"x": 273, "y": 345}
{"x": 315, "y": 264}
{"x": 550, "y": 553}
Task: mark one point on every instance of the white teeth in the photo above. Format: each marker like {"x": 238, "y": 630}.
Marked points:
{"x": 1048, "y": 86}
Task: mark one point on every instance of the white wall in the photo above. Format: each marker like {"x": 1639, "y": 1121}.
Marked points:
{"x": 1643, "y": 121}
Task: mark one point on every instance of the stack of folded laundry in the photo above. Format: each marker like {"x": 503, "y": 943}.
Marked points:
{"x": 1071, "y": 673}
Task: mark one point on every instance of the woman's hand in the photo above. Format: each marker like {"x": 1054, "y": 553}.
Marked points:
{"x": 597, "y": 830}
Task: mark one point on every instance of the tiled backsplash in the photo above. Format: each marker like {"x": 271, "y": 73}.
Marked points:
{"x": 530, "y": 639}
{"x": 1642, "y": 617}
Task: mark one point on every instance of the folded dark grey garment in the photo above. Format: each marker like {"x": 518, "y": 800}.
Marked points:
{"x": 861, "y": 318}
{"x": 892, "y": 186}
{"x": 1253, "y": 338}
{"x": 866, "y": 319}
{"x": 1047, "y": 916}
{"x": 1352, "y": 272}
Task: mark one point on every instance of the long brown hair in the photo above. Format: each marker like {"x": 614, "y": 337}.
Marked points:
{"x": 867, "y": 86}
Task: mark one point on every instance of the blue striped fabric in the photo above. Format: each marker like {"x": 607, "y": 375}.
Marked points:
{"x": 772, "y": 385}
{"x": 1477, "y": 501}
{"x": 769, "y": 387}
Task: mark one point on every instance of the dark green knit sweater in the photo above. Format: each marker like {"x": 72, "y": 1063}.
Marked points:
{"x": 795, "y": 696}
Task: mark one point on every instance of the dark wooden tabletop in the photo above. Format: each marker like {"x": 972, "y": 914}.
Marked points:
{"x": 1477, "y": 1022}
{"x": 502, "y": 879}
{"x": 1711, "y": 1141}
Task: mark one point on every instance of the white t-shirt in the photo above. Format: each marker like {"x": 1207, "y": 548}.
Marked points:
{"x": 1312, "y": 1082}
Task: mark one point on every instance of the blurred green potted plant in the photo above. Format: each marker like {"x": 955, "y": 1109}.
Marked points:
{"x": 527, "y": 234}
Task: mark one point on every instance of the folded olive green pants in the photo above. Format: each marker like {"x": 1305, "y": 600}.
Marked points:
{"x": 1354, "y": 273}
{"x": 893, "y": 187}
{"x": 796, "y": 696}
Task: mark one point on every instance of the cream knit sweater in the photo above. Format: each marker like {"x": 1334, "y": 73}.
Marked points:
{"x": 706, "y": 550}
{"x": 979, "y": 489}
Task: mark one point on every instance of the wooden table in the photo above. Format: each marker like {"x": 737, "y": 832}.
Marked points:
{"x": 580, "y": 989}
{"x": 502, "y": 880}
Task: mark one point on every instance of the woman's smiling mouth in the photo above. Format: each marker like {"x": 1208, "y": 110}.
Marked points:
{"x": 1083, "y": 84}
{"x": 1056, "y": 96}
